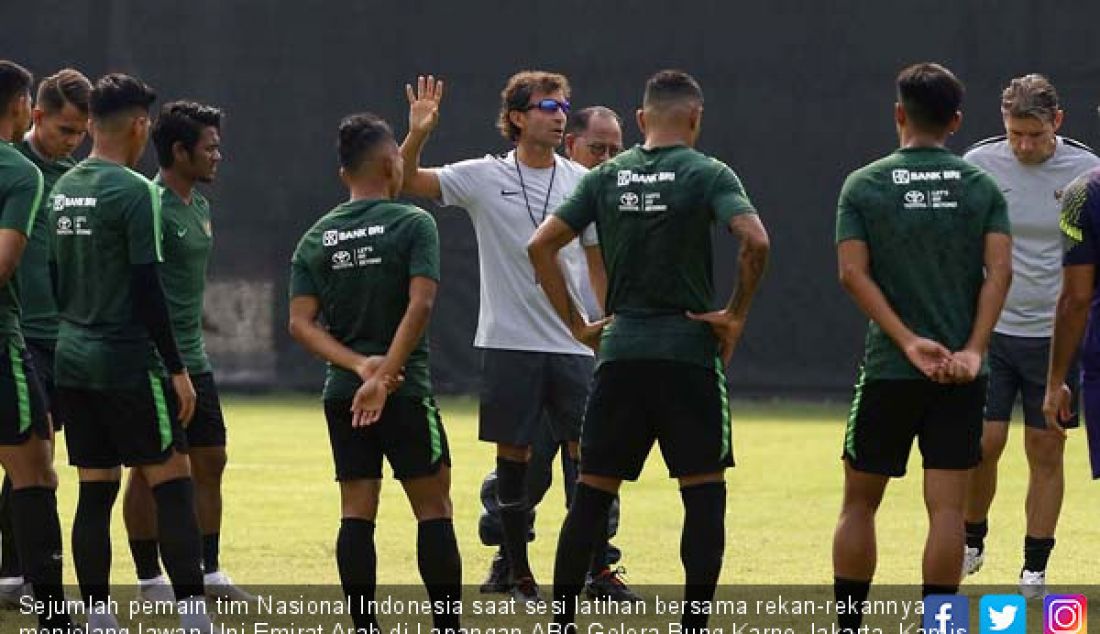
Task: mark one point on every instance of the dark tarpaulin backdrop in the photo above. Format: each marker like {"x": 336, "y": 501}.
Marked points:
{"x": 798, "y": 94}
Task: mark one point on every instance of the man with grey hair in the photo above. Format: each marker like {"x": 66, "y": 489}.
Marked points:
{"x": 1032, "y": 164}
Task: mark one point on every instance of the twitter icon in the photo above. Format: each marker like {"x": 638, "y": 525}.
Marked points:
{"x": 1003, "y": 614}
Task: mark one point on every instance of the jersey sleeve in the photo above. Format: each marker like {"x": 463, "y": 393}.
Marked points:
{"x": 1078, "y": 209}
{"x": 727, "y": 196}
{"x": 458, "y": 182}
{"x": 22, "y": 200}
{"x": 301, "y": 278}
{"x": 143, "y": 222}
{"x": 997, "y": 221}
{"x": 579, "y": 209}
{"x": 424, "y": 252}
{"x": 849, "y": 216}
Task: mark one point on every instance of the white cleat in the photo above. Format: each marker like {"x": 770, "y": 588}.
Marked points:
{"x": 156, "y": 590}
{"x": 218, "y": 585}
{"x": 12, "y": 591}
{"x": 973, "y": 560}
{"x": 1033, "y": 585}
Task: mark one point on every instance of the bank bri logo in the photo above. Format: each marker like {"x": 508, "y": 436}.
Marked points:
{"x": 946, "y": 614}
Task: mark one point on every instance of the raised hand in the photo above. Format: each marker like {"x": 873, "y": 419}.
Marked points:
{"x": 424, "y": 103}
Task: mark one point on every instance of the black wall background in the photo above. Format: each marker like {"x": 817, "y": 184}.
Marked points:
{"x": 798, "y": 94}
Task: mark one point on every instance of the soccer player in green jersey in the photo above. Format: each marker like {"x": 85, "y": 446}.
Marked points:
{"x": 370, "y": 268}
{"x": 187, "y": 139}
{"x": 26, "y": 450}
{"x": 111, "y": 387}
{"x": 924, "y": 250}
{"x": 661, "y": 359}
{"x": 59, "y": 124}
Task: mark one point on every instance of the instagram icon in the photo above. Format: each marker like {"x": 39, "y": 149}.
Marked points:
{"x": 1065, "y": 614}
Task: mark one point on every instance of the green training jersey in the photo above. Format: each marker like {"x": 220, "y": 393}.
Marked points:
{"x": 187, "y": 242}
{"x": 357, "y": 260}
{"x": 106, "y": 218}
{"x": 654, "y": 212}
{"x": 924, "y": 214}
{"x": 21, "y": 186}
{"x": 39, "y": 318}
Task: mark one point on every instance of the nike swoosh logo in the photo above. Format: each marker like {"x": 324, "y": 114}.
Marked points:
{"x": 507, "y": 192}
{"x": 1006, "y": 190}
{"x": 181, "y": 233}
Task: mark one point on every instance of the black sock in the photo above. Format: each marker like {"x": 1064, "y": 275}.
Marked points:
{"x": 440, "y": 568}
{"x": 932, "y": 588}
{"x": 1037, "y": 552}
{"x": 38, "y": 534}
{"x": 975, "y": 534}
{"x": 850, "y": 595}
{"x": 702, "y": 545}
{"x": 92, "y": 540}
{"x": 575, "y": 543}
{"x": 178, "y": 535}
{"x": 146, "y": 555}
{"x": 598, "y": 562}
{"x": 358, "y": 566}
{"x": 9, "y": 554}
{"x": 512, "y": 497}
{"x": 211, "y": 544}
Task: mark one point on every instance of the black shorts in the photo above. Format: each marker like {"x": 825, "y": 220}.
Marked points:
{"x": 22, "y": 402}
{"x": 887, "y": 414}
{"x": 42, "y": 353}
{"x": 1018, "y": 367}
{"x": 409, "y": 434}
{"x": 684, "y": 407}
{"x": 122, "y": 426}
{"x": 517, "y": 387}
{"x": 207, "y": 428}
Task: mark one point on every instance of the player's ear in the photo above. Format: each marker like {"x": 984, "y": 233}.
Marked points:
{"x": 899, "y": 114}
{"x": 639, "y": 116}
{"x": 1059, "y": 114}
{"x": 36, "y": 115}
{"x": 345, "y": 178}
{"x": 570, "y": 141}
{"x": 179, "y": 152}
{"x": 956, "y": 122}
{"x": 516, "y": 118}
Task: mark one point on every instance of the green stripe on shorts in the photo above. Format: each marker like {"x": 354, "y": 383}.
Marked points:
{"x": 164, "y": 424}
{"x": 724, "y": 394}
{"x": 22, "y": 392}
{"x": 850, "y": 428}
{"x": 433, "y": 428}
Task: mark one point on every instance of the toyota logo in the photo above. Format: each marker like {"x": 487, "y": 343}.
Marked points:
{"x": 341, "y": 257}
{"x": 914, "y": 196}
{"x": 629, "y": 199}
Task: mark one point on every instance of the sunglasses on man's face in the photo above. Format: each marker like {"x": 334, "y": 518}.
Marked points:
{"x": 549, "y": 106}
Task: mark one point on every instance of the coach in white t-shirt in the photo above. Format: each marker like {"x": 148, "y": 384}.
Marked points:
{"x": 531, "y": 361}
{"x": 1032, "y": 164}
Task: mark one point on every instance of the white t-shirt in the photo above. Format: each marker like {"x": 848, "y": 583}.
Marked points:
{"x": 1034, "y": 195}
{"x": 515, "y": 314}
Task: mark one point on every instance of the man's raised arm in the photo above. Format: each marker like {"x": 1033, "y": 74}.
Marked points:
{"x": 423, "y": 117}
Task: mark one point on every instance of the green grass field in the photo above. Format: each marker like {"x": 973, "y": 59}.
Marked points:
{"x": 282, "y": 508}
{"x": 282, "y": 505}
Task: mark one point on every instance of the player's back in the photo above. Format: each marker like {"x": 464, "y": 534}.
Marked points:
{"x": 655, "y": 210}
{"x": 924, "y": 214}
{"x": 358, "y": 260}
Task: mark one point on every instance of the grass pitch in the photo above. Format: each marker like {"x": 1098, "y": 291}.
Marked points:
{"x": 282, "y": 505}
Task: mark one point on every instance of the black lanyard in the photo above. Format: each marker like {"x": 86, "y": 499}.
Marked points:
{"x": 523, "y": 188}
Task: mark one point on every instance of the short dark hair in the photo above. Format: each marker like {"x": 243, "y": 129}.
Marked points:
{"x": 930, "y": 95}
{"x": 1030, "y": 96}
{"x": 579, "y": 120}
{"x": 359, "y": 135}
{"x": 66, "y": 86}
{"x": 14, "y": 81}
{"x": 182, "y": 122}
{"x": 517, "y": 94}
{"x": 671, "y": 86}
{"x": 116, "y": 93}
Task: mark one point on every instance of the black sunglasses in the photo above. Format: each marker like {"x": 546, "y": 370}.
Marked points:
{"x": 549, "y": 106}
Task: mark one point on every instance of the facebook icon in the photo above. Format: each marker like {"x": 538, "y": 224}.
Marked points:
{"x": 946, "y": 614}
